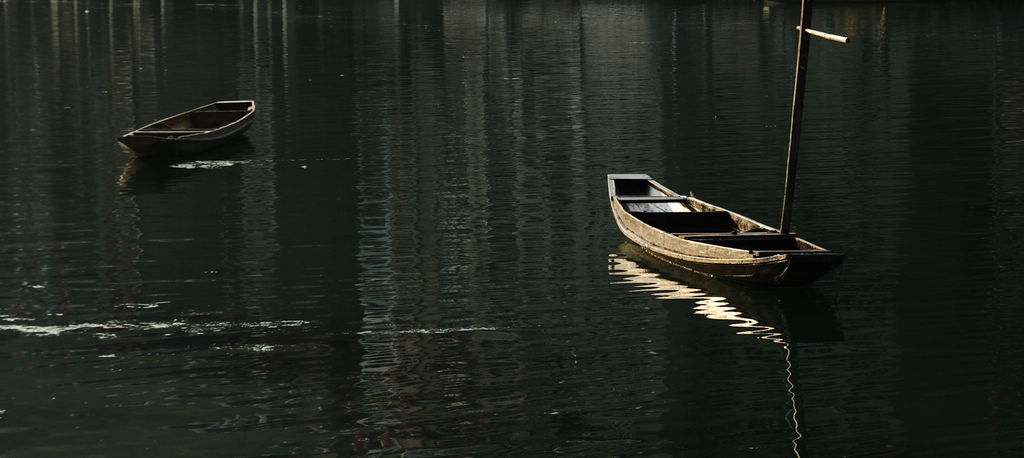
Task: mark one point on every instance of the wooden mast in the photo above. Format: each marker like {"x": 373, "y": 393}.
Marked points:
{"x": 796, "y": 118}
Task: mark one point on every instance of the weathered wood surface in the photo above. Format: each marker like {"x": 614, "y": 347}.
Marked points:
{"x": 827, "y": 36}
{"x": 713, "y": 240}
{"x": 192, "y": 132}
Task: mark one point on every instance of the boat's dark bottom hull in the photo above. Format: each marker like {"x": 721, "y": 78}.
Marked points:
{"x": 794, "y": 270}
{"x": 154, "y": 146}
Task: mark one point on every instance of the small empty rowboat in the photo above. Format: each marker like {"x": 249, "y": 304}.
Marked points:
{"x": 193, "y": 131}
{"x": 694, "y": 234}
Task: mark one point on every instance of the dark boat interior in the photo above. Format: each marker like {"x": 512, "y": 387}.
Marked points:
{"x": 717, "y": 227}
{"x": 688, "y": 222}
{"x": 635, "y": 188}
{"x": 208, "y": 118}
{"x": 651, "y": 205}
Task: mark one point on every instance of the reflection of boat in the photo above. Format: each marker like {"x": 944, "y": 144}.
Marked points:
{"x": 152, "y": 175}
{"x": 193, "y": 131}
{"x": 797, "y": 315}
{"x": 780, "y": 316}
{"x": 710, "y": 239}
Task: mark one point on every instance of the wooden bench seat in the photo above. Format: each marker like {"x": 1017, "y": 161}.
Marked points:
{"x": 171, "y": 131}
{"x": 775, "y": 252}
{"x": 651, "y": 199}
{"x": 688, "y": 222}
{"x": 221, "y": 111}
{"x": 753, "y": 241}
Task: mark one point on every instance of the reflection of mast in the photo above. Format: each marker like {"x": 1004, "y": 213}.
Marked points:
{"x": 711, "y": 307}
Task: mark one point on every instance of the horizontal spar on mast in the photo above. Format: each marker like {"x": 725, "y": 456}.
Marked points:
{"x": 827, "y": 36}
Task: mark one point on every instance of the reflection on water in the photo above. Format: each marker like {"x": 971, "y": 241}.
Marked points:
{"x": 627, "y": 265}
{"x": 152, "y": 175}
{"x": 114, "y": 329}
{"x": 776, "y": 314}
{"x": 711, "y": 307}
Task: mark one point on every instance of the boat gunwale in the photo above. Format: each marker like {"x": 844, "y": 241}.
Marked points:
{"x": 739, "y": 256}
{"x": 197, "y": 136}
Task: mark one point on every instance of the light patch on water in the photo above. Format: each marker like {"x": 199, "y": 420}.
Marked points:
{"x": 255, "y": 348}
{"x": 211, "y": 165}
{"x": 274, "y": 324}
{"x": 109, "y": 329}
{"x": 207, "y": 164}
{"x": 50, "y": 330}
{"x": 262, "y": 348}
{"x": 142, "y": 306}
{"x": 430, "y": 331}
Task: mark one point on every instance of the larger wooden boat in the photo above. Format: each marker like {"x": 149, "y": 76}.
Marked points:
{"x": 192, "y": 132}
{"x": 706, "y": 238}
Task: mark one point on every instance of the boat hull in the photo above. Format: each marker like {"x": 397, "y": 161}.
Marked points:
{"x": 192, "y": 132}
{"x": 747, "y": 251}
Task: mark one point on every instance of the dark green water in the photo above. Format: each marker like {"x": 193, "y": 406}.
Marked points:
{"x": 411, "y": 250}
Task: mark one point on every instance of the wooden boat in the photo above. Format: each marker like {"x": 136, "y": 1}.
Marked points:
{"x": 706, "y": 238}
{"x": 193, "y": 131}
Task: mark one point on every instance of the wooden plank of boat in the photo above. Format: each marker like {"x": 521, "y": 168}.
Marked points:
{"x": 710, "y": 239}
{"x": 195, "y": 131}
